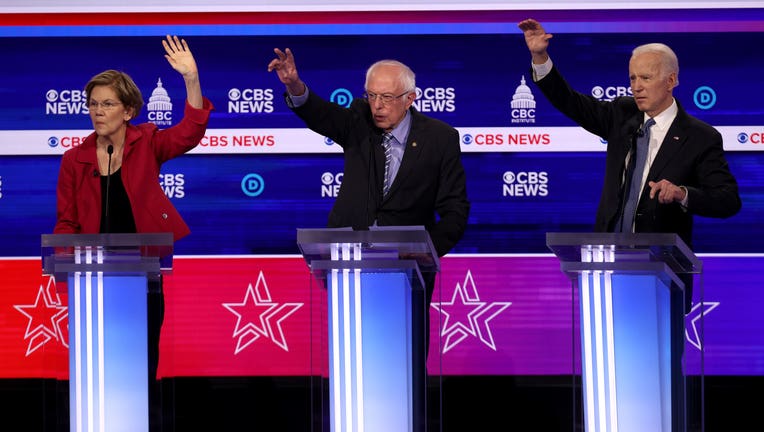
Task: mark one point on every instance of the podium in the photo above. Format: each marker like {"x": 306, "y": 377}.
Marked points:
{"x": 106, "y": 278}
{"x": 374, "y": 283}
{"x": 625, "y": 284}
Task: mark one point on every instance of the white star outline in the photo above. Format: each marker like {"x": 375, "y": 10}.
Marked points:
{"x": 698, "y": 311}
{"x": 55, "y": 327}
{"x": 248, "y": 331}
{"x": 478, "y": 318}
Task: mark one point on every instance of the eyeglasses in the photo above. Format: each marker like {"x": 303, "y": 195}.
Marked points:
{"x": 107, "y": 105}
{"x": 385, "y": 98}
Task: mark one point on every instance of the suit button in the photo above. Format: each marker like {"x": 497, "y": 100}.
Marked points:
{"x": 164, "y": 215}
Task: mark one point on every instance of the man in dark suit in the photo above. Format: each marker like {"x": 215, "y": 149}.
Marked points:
{"x": 427, "y": 184}
{"x": 685, "y": 173}
{"x": 688, "y": 174}
{"x": 430, "y": 180}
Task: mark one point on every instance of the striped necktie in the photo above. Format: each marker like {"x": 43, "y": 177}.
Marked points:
{"x": 388, "y": 146}
{"x": 634, "y": 189}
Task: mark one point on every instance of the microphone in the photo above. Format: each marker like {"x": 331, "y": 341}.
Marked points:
{"x": 630, "y": 150}
{"x": 641, "y": 131}
{"x": 638, "y": 133}
{"x": 109, "y": 151}
{"x": 371, "y": 178}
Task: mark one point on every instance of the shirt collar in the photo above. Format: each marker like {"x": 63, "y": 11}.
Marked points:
{"x": 402, "y": 130}
{"x": 664, "y": 119}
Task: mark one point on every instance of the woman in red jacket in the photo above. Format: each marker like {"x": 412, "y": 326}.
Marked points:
{"x": 110, "y": 183}
{"x": 128, "y": 157}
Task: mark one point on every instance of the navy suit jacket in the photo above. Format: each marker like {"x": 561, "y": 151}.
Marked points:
{"x": 431, "y": 179}
{"x": 691, "y": 155}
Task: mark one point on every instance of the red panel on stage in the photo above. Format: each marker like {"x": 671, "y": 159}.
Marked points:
{"x": 241, "y": 317}
{"x": 33, "y": 322}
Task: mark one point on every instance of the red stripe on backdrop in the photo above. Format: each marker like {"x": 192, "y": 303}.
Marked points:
{"x": 201, "y": 18}
{"x": 668, "y": 17}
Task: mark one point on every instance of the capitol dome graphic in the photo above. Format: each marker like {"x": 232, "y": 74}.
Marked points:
{"x": 159, "y": 102}
{"x": 523, "y": 98}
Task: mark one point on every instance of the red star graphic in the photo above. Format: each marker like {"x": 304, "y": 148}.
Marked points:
{"x": 251, "y": 312}
{"x": 45, "y": 316}
{"x": 258, "y": 316}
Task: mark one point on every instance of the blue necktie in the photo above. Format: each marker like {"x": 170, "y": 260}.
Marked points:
{"x": 388, "y": 146}
{"x": 634, "y": 187}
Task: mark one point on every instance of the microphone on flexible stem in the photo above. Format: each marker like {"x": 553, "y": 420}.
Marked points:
{"x": 631, "y": 150}
{"x": 641, "y": 131}
{"x": 371, "y": 179}
{"x": 109, "y": 151}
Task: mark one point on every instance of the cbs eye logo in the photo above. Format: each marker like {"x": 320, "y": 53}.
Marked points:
{"x": 525, "y": 184}
{"x": 330, "y": 184}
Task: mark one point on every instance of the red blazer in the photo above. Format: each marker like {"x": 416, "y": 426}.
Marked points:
{"x": 78, "y": 207}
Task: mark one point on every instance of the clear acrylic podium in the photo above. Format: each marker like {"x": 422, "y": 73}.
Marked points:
{"x": 625, "y": 282}
{"x": 106, "y": 278}
{"x": 373, "y": 279}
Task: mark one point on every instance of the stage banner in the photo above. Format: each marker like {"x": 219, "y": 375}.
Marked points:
{"x": 490, "y": 315}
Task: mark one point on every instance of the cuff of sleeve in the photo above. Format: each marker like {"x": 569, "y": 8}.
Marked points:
{"x": 198, "y": 115}
{"x": 686, "y": 198}
{"x": 296, "y": 101}
{"x": 541, "y": 70}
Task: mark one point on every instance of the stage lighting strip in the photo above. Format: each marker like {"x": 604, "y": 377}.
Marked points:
{"x": 608, "y": 255}
{"x": 77, "y": 342}
{"x": 89, "y": 369}
{"x": 350, "y": 351}
{"x": 335, "y": 357}
{"x": 591, "y": 292}
{"x": 101, "y": 353}
{"x": 358, "y": 339}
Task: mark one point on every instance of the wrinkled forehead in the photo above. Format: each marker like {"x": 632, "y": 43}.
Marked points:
{"x": 645, "y": 63}
{"x": 385, "y": 79}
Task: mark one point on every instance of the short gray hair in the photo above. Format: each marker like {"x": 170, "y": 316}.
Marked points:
{"x": 668, "y": 60}
{"x": 406, "y": 76}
